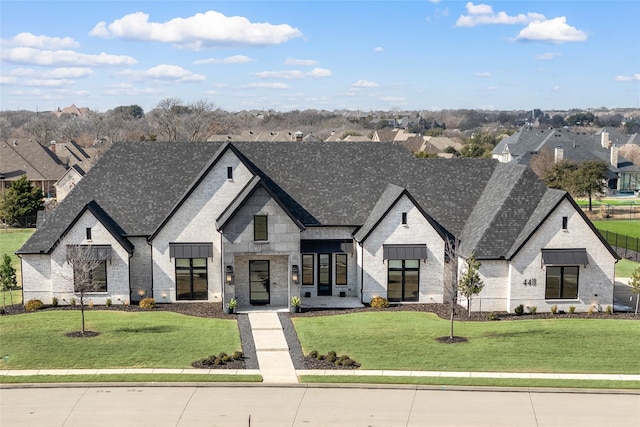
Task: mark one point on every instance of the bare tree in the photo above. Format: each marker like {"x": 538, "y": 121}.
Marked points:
{"x": 451, "y": 248}
{"x": 42, "y": 128}
{"x": 89, "y": 272}
{"x": 542, "y": 162}
{"x": 167, "y": 116}
{"x": 198, "y": 119}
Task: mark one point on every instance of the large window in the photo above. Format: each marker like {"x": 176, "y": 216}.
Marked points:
{"x": 260, "y": 228}
{"x": 341, "y": 269}
{"x": 562, "y": 282}
{"x": 191, "y": 278}
{"x": 403, "y": 280}
{"x": 307, "y": 269}
{"x": 324, "y": 274}
{"x": 90, "y": 277}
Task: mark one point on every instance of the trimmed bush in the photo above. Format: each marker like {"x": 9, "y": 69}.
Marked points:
{"x": 379, "y": 302}
{"x": 554, "y": 309}
{"x": 237, "y": 355}
{"x": 609, "y": 309}
{"x": 108, "y": 303}
{"x": 147, "y": 304}
{"x": 492, "y": 316}
{"x": 592, "y": 309}
{"x": 33, "y": 305}
{"x": 313, "y": 354}
{"x": 54, "y": 302}
{"x": 572, "y": 309}
{"x": 72, "y": 301}
{"x": 519, "y": 310}
{"x": 533, "y": 309}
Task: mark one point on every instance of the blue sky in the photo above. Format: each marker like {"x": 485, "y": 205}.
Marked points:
{"x": 287, "y": 55}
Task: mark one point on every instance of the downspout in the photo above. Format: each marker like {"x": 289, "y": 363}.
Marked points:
{"x": 361, "y": 273}
{"x": 153, "y": 288}
{"x": 222, "y": 269}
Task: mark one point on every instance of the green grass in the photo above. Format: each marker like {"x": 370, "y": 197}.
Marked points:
{"x": 625, "y": 268}
{"x": 12, "y": 239}
{"x": 480, "y": 382}
{"x": 127, "y": 340}
{"x": 406, "y": 341}
{"x": 121, "y": 378}
{"x": 626, "y": 227}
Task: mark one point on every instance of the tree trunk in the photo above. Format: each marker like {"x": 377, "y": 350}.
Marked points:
{"x": 451, "y": 326}
{"x": 590, "y": 209}
{"x": 82, "y": 311}
{"x": 637, "y": 300}
{"x": 469, "y": 307}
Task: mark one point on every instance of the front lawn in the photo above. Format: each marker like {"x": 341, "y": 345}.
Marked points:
{"x": 406, "y": 341}
{"x": 127, "y": 340}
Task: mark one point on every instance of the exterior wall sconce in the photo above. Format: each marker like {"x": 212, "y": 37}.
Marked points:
{"x": 294, "y": 273}
{"x": 229, "y": 275}
{"x": 141, "y": 292}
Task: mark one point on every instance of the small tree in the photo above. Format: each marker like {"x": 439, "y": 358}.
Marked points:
{"x": 635, "y": 285}
{"x": 451, "y": 247}
{"x": 22, "y": 199}
{"x": 591, "y": 179}
{"x": 89, "y": 271}
{"x": 470, "y": 283}
{"x": 7, "y": 279}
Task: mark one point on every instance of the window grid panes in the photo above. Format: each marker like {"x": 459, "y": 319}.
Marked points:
{"x": 191, "y": 279}
{"x": 260, "y": 228}
{"x": 307, "y": 269}
{"x": 403, "y": 282}
{"x": 562, "y": 282}
{"x": 341, "y": 269}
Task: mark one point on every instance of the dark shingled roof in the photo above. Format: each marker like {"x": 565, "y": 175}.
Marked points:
{"x": 138, "y": 185}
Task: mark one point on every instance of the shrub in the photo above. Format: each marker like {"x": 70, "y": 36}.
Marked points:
{"x": 90, "y": 304}
{"x": 609, "y": 309}
{"x": 54, "y": 302}
{"x": 222, "y": 354}
{"x": 225, "y": 359}
{"x": 591, "y": 309}
{"x": 492, "y": 316}
{"x": 147, "y": 304}
{"x": 332, "y": 354}
{"x": 237, "y": 355}
{"x": 572, "y": 309}
{"x": 331, "y": 358}
{"x": 108, "y": 302}
{"x": 519, "y": 310}
{"x": 554, "y": 309}
{"x": 72, "y": 301}
{"x": 379, "y": 302}
{"x": 33, "y": 305}
{"x": 533, "y": 309}
{"x": 313, "y": 354}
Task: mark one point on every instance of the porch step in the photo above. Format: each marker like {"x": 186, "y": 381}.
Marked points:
{"x": 272, "y": 350}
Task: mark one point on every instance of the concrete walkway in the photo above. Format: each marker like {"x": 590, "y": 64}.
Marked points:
{"x": 271, "y": 349}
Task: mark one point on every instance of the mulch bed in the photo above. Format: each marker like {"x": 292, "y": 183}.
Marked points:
{"x": 313, "y": 363}
{"x": 80, "y": 334}
{"x": 233, "y": 364}
{"x": 215, "y": 311}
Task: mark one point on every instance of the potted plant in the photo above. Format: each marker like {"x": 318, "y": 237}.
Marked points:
{"x": 231, "y": 306}
{"x": 295, "y": 304}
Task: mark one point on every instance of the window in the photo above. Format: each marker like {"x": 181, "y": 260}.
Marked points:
{"x": 404, "y": 218}
{"x": 260, "y": 228}
{"x": 89, "y": 279}
{"x": 341, "y": 269}
{"x": 562, "y": 282}
{"x": 191, "y": 278}
{"x": 403, "y": 280}
{"x": 565, "y": 222}
{"x": 229, "y": 172}
{"x": 324, "y": 274}
{"x": 307, "y": 269}
{"x": 88, "y": 233}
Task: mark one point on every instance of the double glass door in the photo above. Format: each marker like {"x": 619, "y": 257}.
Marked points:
{"x": 259, "y": 285}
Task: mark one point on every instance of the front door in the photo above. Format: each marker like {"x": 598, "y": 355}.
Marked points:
{"x": 324, "y": 274}
{"x": 259, "y": 282}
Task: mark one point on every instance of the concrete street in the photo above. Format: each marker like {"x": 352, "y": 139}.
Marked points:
{"x": 233, "y": 405}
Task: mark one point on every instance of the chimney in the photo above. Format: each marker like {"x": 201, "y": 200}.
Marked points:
{"x": 614, "y": 155}
{"x": 559, "y": 155}
{"x": 604, "y": 139}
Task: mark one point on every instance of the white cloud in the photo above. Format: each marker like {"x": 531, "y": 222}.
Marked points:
{"x": 365, "y": 84}
{"x": 289, "y": 74}
{"x": 265, "y": 86}
{"x": 129, "y": 89}
{"x": 556, "y": 88}
{"x": 483, "y": 75}
{"x": 67, "y": 73}
{"x": 554, "y": 30}
{"x": 23, "y": 72}
{"x": 167, "y": 73}
{"x": 483, "y": 14}
{"x": 318, "y": 73}
{"x": 41, "y": 42}
{"x": 202, "y": 30}
{"x": 378, "y": 49}
{"x": 434, "y": 1}
{"x": 548, "y": 56}
{"x": 631, "y": 78}
{"x": 301, "y": 62}
{"x": 48, "y": 82}
{"x": 294, "y": 74}
{"x": 394, "y": 98}
{"x": 8, "y": 80}
{"x": 235, "y": 59}
{"x": 28, "y": 55}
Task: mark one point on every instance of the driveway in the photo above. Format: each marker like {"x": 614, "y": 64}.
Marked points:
{"x": 623, "y": 298}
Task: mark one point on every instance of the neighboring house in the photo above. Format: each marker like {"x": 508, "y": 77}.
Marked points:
{"x": 262, "y": 136}
{"x": 27, "y": 157}
{"x": 71, "y": 154}
{"x": 332, "y": 223}
{"x": 68, "y": 181}
{"x": 565, "y": 144}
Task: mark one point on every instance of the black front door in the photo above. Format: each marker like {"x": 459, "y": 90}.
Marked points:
{"x": 259, "y": 282}
{"x": 324, "y": 274}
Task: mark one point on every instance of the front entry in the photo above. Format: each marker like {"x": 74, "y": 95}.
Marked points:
{"x": 324, "y": 274}
{"x": 259, "y": 285}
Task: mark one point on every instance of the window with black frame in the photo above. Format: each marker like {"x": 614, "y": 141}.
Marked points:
{"x": 403, "y": 280}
